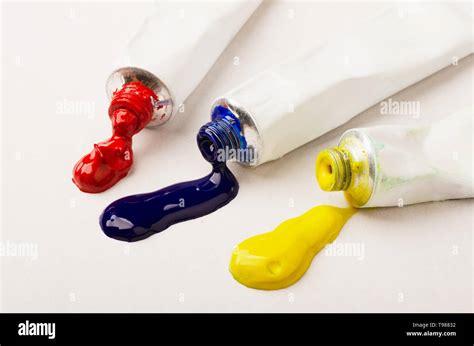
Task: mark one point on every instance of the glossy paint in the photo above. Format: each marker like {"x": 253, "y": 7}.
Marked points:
{"x": 130, "y": 110}
{"x": 137, "y": 217}
{"x": 279, "y": 258}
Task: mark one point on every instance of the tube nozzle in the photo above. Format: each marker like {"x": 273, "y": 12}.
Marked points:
{"x": 333, "y": 170}
{"x": 221, "y": 135}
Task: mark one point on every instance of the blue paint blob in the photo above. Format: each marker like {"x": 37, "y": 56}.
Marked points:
{"x": 139, "y": 216}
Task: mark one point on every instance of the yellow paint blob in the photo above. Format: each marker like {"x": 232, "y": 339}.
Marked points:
{"x": 279, "y": 258}
{"x": 325, "y": 171}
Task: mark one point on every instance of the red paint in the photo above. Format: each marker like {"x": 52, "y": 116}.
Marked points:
{"x": 130, "y": 110}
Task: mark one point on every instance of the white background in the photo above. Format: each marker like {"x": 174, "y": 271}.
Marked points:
{"x": 416, "y": 258}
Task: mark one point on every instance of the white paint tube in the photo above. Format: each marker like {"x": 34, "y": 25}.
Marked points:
{"x": 175, "y": 48}
{"x": 393, "y": 165}
{"x": 299, "y": 100}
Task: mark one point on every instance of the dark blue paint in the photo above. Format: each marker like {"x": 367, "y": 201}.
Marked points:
{"x": 222, "y": 132}
{"x": 137, "y": 217}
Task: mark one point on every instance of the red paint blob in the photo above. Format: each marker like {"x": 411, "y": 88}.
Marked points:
{"x": 131, "y": 109}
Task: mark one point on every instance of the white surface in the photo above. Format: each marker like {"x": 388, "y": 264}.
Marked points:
{"x": 416, "y": 258}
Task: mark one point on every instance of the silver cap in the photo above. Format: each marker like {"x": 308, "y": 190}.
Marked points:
{"x": 163, "y": 109}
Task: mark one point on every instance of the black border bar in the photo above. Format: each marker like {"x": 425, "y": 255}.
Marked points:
{"x": 289, "y": 329}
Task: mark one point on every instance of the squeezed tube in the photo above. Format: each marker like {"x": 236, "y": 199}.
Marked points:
{"x": 175, "y": 48}
{"x": 297, "y": 101}
{"x": 390, "y": 165}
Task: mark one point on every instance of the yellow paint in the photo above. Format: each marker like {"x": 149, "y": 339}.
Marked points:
{"x": 326, "y": 171}
{"x": 332, "y": 172}
{"x": 279, "y": 258}
{"x": 338, "y": 170}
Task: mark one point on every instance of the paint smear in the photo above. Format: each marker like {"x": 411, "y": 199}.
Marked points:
{"x": 137, "y": 217}
{"x": 279, "y": 258}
